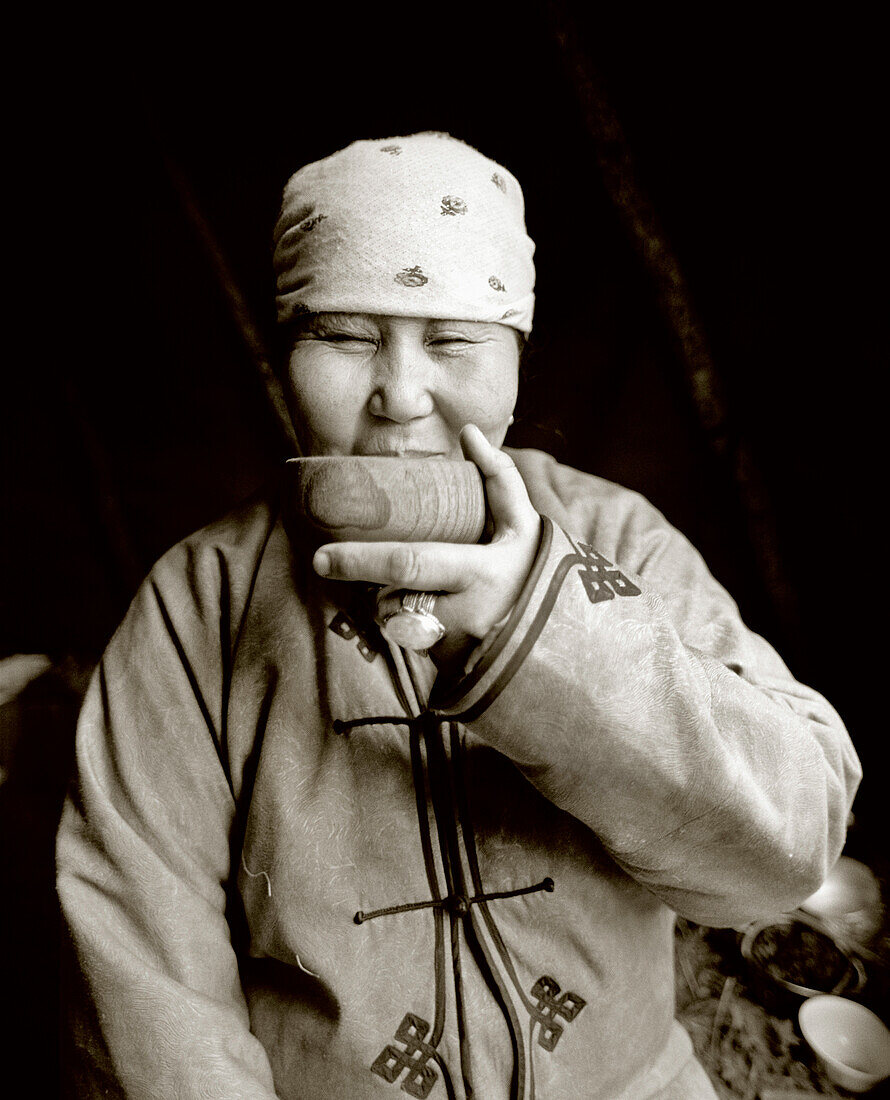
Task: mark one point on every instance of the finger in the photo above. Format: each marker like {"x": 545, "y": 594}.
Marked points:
{"x": 505, "y": 490}
{"x": 422, "y": 566}
{"x": 490, "y": 460}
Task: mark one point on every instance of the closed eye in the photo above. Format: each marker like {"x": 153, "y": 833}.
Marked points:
{"x": 346, "y": 338}
{"x": 450, "y": 341}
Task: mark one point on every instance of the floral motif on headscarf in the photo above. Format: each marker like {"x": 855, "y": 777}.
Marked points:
{"x": 451, "y": 204}
{"x": 411, "y": 276}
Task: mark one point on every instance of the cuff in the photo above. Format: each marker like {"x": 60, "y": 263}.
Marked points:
{"x": 504, "y": 652}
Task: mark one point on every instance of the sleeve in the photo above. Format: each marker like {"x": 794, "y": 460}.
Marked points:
{"x": 637, "y": 701}
{"x": 142, "y": 864}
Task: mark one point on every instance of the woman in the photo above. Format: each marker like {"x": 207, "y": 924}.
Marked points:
{"x": 305, "y": 861}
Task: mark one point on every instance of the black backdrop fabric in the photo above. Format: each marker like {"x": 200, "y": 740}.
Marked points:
{"x": 134, "y": 412}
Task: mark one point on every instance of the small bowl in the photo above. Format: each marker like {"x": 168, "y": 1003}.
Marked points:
{"x": 851, "y": 1041}
{"x": 849, "y": 899}
{"x": 772, "y": 975}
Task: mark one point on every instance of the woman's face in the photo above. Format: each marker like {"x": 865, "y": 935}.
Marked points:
{"x": 362, "y": 384}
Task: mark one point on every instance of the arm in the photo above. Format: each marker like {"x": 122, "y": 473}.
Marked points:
{"x": 143, "y": 858}
{"x": 646, "y": 709}
{"x": 636, "y": 700}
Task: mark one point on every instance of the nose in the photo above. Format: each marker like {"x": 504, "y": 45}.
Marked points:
{"x": 402, "y": 385}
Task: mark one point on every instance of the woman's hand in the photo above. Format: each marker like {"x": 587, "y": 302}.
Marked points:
{"x": 478, "y": 584}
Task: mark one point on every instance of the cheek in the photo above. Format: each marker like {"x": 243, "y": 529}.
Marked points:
{"x": 325, "y": 403}
{"x": 487, "y": 398}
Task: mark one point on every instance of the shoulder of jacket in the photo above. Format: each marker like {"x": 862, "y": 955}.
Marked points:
{"x": 225, "y": 551}
{"x": 622, "y": 525}
{"x": 587, "y": 504}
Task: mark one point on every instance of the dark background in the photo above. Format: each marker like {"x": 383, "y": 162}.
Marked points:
{"x": 134, "y": 412}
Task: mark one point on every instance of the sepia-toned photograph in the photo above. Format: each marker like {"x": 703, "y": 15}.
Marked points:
{"x": 442, "y": 603}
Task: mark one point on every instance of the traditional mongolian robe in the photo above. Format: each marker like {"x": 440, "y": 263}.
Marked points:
{"x": 297, "y": 864}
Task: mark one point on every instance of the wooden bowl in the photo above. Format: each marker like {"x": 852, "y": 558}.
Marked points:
{"x": 384, "y": 499}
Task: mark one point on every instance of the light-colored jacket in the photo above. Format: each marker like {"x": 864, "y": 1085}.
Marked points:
{"x": 295, "y": 866}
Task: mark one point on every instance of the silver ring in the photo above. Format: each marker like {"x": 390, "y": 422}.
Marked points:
{"x": 413, "y": 626}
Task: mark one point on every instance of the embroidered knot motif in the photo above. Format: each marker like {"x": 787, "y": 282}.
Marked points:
{"x": 495, "y": 283}
{"x": 509, "y": 313}
{"x": 498, "y": 180}
{"x": 451, "y": 204}
{"x": 601, "y": 580}
{"x": 393, "y": 150}
{"x": 311, "y": 223}
{"x": 551, "y": 1005}
{"x": 299, "y": 310}
{"x": 415, "y": 1058}
{"x": 411, "y": 276}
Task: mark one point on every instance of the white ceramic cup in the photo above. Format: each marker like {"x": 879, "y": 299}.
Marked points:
{"x": 851, "y": 1041}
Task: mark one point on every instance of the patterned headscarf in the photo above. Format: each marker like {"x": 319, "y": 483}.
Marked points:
{"x": 416, "y": 226}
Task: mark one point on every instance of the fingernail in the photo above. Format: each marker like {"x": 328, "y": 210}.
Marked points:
{"x": 321, "y": 563}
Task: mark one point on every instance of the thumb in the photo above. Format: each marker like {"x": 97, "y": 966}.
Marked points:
{"x": 504, "y": 488}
